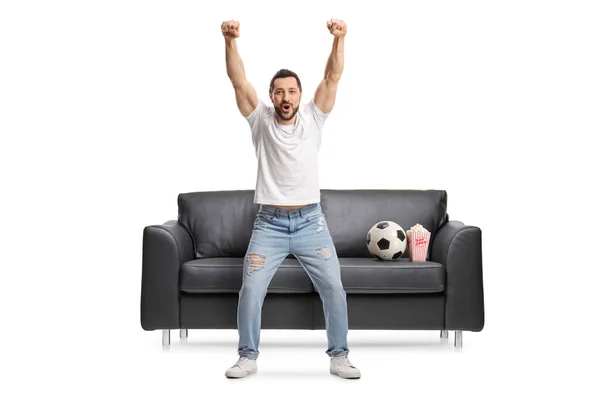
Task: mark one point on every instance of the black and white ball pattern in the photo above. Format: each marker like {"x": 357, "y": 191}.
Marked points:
{"x": 386, "y": 240}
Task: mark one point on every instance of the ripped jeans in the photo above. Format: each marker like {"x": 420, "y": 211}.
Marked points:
{"x": 302, "y": 232}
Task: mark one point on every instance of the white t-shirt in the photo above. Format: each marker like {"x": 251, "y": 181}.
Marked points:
{"x": 287, "y": 155}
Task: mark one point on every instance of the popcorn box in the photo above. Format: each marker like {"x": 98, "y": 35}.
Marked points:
{"x": 418, "y": 242}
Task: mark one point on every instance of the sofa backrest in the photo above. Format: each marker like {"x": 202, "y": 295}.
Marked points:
{"x": 221, "y": 222}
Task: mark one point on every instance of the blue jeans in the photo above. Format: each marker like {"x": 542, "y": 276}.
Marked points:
{"x": 302, "y": 232}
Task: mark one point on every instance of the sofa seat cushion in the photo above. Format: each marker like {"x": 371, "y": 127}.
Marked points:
{"x": 372, "y": 276}
{"x": 359, "y": 275}
{"x": 224, "y": 275}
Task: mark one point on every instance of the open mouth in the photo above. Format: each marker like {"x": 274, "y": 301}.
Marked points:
{"x": 286, "y": 107}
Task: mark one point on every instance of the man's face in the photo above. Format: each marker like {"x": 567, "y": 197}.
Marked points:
{"x": 286, "y": 97}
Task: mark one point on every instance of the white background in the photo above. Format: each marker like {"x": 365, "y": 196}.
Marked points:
{"x": 110, "y": 109}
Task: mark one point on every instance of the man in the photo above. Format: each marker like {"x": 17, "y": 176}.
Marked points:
{"x": 287, "y": 138}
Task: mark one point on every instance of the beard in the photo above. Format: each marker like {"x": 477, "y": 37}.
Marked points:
{"x": 289, "y": 115}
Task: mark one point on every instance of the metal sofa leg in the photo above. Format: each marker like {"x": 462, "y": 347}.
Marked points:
{"x": 166, "y": 340}
{"x": 183, "y": 333}
{"x": 457, "y": 338}
{"x": 444, "y": 334}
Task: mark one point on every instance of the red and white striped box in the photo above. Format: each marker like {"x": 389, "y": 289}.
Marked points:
{"x": 418, "y": 243}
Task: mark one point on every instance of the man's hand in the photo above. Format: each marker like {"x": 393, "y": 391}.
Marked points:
{"x": 230, "y": 29}
{"x": 336, "y": 27}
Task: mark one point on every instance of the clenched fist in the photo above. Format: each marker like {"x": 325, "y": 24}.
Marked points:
{"x": 230, "y": 29}
{"x": 336, "y": 27}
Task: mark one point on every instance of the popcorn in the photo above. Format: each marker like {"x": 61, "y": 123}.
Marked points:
{"x": 418, "y": 228}
{"x": 418, "y": 242}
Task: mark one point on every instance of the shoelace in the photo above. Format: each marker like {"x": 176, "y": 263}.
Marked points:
{"x": 240, "y": 362}
{"x": 343, "y": 360}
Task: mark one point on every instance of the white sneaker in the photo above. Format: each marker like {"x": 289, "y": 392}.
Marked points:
{"x": 242, "y": 368}
{"x": 342, "y": 367}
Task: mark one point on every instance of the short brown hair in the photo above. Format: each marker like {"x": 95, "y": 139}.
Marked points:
{"x": 284, "y": 73}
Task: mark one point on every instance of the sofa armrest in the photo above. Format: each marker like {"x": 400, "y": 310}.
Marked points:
{"x": 458, "y": 248}
{"x": 165, "y": 248}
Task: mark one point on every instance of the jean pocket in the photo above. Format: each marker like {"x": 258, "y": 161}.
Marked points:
{"x": 265, "y": 216}
{"x": 313, "y": 216}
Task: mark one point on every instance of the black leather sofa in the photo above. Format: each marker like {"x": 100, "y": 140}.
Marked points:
{"x": 192, "y": 267}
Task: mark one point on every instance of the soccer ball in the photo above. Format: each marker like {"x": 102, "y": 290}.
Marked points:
{"x": 386, "y": 240}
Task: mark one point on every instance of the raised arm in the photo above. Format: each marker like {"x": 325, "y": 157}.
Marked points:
{"x": 245, "y": 95}
{"x": 327, "y": 89}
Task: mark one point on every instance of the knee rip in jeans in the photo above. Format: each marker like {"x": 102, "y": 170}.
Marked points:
{"x": 325, "y": 252}
{"x": 255, "y": 262}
